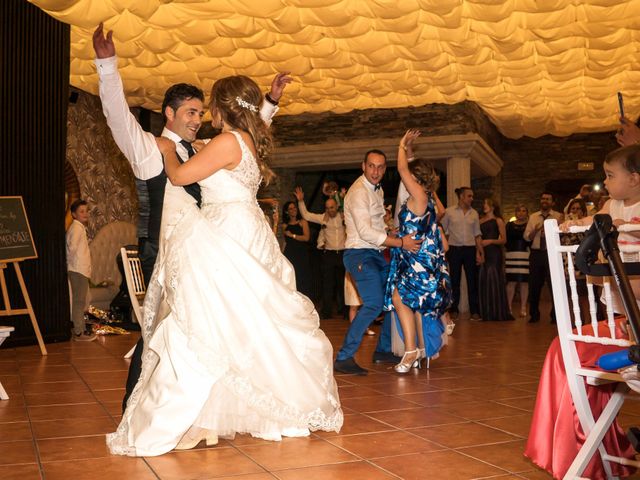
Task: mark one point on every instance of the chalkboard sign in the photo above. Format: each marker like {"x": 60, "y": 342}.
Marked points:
{"x": 16, "y": 242}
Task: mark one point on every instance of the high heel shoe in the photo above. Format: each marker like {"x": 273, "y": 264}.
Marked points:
{"x": 423, "y": 354}
{"x": 188, "y": 443}
{"x": 410, "y": 359}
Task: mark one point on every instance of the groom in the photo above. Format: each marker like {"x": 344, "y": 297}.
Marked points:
{"x": 363, "y": 259}
{"x": 182, "y": 109}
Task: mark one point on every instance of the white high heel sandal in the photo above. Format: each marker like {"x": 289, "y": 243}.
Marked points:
{"x": 410, "y": 359}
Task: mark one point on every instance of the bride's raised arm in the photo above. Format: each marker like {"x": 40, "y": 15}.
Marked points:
{"x": 221, "y": 152}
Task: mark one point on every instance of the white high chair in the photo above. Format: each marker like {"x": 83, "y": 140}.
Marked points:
{"x": 561, "y": 257}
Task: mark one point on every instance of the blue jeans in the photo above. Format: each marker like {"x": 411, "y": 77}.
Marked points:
{"x": 369, "y": 270}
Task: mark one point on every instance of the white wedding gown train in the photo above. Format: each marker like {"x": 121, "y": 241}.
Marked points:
{"x": 230, "y": 345}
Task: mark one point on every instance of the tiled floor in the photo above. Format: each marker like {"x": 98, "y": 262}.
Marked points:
{"x": 467, "y": 417}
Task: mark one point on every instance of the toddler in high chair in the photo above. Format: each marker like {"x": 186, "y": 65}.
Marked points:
{"x": 622, "y": 180}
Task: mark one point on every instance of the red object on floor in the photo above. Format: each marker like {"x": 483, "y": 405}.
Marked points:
{"x": 556, "y": 435}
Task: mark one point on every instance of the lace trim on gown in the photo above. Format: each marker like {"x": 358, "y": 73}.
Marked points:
{"x": 271, "y": 412}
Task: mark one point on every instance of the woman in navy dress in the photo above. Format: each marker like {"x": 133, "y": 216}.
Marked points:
{"x": 418, "y": 286}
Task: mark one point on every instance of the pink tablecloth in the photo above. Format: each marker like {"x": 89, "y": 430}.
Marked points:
{"x": 556, "y": 436}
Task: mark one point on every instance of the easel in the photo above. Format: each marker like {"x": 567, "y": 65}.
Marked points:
{"x": 20, "y": 311}
{"x": 17, "y": 246}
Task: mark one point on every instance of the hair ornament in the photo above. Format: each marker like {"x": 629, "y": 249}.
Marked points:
{"x": 244, "y": 104}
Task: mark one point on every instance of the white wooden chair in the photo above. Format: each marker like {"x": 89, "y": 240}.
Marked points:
{"x": 4, "y": 334}
{"x": 135, "y": 283}
{"x": 561, "y": 257}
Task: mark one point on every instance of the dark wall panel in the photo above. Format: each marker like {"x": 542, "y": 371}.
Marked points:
{"x": 34, "y": 93}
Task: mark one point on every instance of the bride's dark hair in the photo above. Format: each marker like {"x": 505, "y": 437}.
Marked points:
{"x": 238, "y": 99}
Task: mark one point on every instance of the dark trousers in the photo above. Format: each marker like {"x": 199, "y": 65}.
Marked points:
{"x": 538, "y": 276}
{"x": 459, "y": 257}
{"x": 147, "y": 251}
{"x": 332, "y": 273}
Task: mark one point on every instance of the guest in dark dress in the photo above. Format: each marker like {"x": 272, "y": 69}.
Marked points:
{"x": 517, "y": 260}
{"x": 491, "y": 282}
{"x": 296, "y": 236}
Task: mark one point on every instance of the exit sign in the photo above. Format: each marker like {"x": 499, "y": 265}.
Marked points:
{"x": 585, "y": 165}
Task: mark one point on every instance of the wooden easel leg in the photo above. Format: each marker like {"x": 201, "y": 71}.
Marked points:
{"x": 32, "y": 315}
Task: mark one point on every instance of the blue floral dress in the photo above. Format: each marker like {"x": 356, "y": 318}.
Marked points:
{"x": 422, "y": 278}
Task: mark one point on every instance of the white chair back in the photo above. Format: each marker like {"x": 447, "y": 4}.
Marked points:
{"x": 566, "y": 301}
{"x": 134, "y": 278}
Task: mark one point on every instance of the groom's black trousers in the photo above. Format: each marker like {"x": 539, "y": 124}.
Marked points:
{"x": 147, "y": 251}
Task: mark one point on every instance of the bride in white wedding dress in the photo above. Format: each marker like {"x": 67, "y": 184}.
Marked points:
{"x": 230, "y": 345}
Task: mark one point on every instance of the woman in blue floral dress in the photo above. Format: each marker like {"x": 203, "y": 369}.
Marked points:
{"x": 418, "y": 286}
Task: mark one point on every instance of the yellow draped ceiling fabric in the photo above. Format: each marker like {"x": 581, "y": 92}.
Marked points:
{"x": 535, "y": 66}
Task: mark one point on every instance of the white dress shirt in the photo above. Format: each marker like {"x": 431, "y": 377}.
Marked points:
{"x": 332, "y": 235}
{"x": 364, "y": 216}
{"x": 139, "y": 147}
{"x": 537, "y": 219}
{"x": 461, "y": 227}
{"x": 78, "y": 253}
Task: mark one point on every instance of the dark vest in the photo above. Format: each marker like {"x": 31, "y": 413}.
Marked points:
{"x": 156, "y": 187}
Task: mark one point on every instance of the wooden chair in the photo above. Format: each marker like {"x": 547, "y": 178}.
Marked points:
{"x": 135, "y": 283}
{"x": 563, "y": 271}
{"x": 4, "y": 334}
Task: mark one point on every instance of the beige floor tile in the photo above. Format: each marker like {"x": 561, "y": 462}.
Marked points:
{"x": 202, "y": 463}
{"x": 443, "y": 465}
{"x": 417, "y": 417}
{"x": 296, "y": 453}
{"x": 508, "y": 456}
{"x": 516, "y": 425}
{"x": 372, "y": 445}
{"x": 13, "y": 431}
{"x": 73, "y": 427}
{"x": 107, "y": 468}
{"x": 20, "y": 472}
{"x": 73, "y": 448}
{"x": 19, "y": 451}
{"x": 462, "y": 435}
{"x": 341, "y": 471}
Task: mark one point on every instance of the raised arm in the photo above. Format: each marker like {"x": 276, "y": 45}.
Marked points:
{"x": 306, "y": 214}
{"x": 138, "y": 146}
{"x": 221, "y": 152}
{"x": 628, "y": 134}
{"x": 270, "y": 104}
{"x": 417, "y": 203}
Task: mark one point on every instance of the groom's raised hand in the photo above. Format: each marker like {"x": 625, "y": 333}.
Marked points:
{"x": 103, "y": 45}
{"x": 280, "y": 81}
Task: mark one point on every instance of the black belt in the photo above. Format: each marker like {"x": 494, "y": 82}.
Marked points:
{"x": 332, "y": 251}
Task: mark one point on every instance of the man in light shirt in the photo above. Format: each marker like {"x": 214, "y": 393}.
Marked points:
{"x": 366, "y": 238}
{"x": 462, "y": 226}
{"x": 331, "y": 243}
{"x": 182, "y": 109}
{"x": 538, "y": 260}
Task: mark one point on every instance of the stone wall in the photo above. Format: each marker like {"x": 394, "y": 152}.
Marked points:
{"x": 550, "y": 163}
{"x": 104, "y": 174}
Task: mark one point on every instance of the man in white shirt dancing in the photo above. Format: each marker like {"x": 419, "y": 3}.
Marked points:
{"x": 366, "y": 238}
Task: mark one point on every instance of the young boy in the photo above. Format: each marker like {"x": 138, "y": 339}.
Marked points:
{"x": 79, "y": 269}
